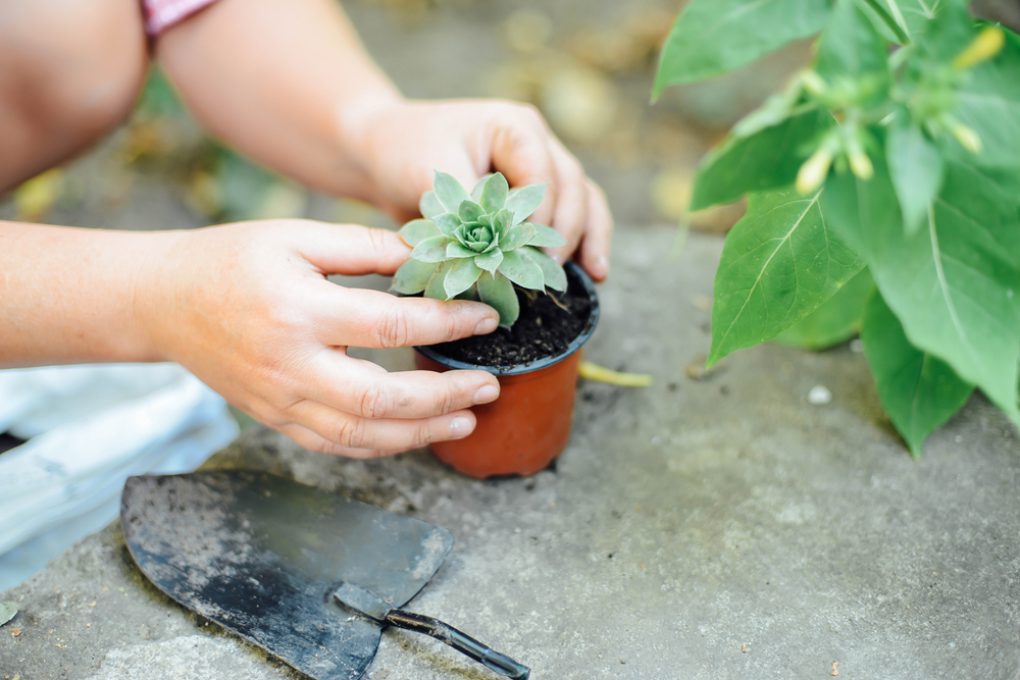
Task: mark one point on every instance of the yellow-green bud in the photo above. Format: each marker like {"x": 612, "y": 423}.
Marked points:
{"x": 813, "y": 83}
{"x": 861, "y": 165}
{"x": 985, "y": 45}
{"x": 967, "y": 138}
{"x": 814, "y": 171}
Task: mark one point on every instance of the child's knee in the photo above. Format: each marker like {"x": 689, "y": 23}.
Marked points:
{"x": 74, "y": 68}
{"x": 104, "y": 65}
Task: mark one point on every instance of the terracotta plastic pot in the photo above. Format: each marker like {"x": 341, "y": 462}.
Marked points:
{"x": 524, "y": 430}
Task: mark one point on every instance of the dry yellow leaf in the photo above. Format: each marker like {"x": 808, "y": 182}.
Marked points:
{"x": 34, "y": 198}
{"x": 596, "y": 373}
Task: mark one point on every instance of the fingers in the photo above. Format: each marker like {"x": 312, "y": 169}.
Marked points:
{"x": 307, "y": 439}
{"x": 368, "y": 318}
{"x": 521, "y": 152}
{"x": 351, "y": 250}
{"x": 352, "y": 432}
{"x": 598, "y": 238}
{"x": 365, "y": 390}
{"x": 526, "y": 151}
{"x": 462, "y": 170}
{"x": 571, "y": 201}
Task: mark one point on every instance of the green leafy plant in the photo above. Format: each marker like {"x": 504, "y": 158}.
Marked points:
{"x": 883, "y": 193}
{"x": 478, "y": 245}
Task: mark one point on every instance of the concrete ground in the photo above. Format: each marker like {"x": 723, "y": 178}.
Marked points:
{"x": 710, "y": 527}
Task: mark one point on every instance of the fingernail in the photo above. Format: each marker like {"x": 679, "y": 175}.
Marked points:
{"x": 602, "y": 264}
{"x": 486, "y": 393}
{"x": 486, "y": 325}
{"x": 460, "y": 427}
{"x": 559, "y": 256}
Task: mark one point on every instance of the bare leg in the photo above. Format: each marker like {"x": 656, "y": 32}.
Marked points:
{"x": 70, "y": 71}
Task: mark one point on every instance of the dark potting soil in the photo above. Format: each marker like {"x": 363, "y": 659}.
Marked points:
{"x": 544, "y": 329}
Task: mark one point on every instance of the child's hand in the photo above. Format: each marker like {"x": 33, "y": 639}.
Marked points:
{"x": 402, "y": 144}
{"x": 248, "y": 309}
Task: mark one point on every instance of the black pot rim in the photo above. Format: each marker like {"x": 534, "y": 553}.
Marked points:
{"x": 520, "y": 369}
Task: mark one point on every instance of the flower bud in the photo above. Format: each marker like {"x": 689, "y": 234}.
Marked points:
{"x": 814, "y": 171}
{"x": 967, "y": 138}
{"x": 813, "y": 83}
{"x": 860, "y": 162}
{"x": 861, "y": 165}
{"x": 985, "y": 45}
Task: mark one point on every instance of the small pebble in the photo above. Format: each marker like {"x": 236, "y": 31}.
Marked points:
{"x": 697, "y": 371}
{"x": 702, "y": 303}
{"x": 819, "y": 396}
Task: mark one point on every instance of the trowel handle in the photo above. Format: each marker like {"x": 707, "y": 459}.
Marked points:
{"x": 462, "y": 642}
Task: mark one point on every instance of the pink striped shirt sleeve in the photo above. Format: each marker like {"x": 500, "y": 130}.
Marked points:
{"x": 162, "y": 14}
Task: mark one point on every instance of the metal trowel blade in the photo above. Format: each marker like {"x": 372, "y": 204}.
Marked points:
{"x": 262, "y": 556}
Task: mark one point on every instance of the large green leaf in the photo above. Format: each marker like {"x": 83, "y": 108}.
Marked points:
{"x": 768, "y": 159}
{"x": 955, "y": 283}
{"x": 941, "y": 28}
{"x": 919, "y": 391}
{"x": 989, "y": 103}
{"x": 836, "y": 320}
{"x": 851, "y": 47}
{"x": 888, "y": 19}
{"x": 915, "y": 166}
{"x": 917, "y": 14}
{"x": 779, "y": 264}
{"x": 711, "y": 37}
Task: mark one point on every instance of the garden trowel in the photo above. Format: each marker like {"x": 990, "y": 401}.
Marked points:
{"x": 311, "y": 577}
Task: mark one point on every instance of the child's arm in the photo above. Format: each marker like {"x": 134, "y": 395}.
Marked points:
{"x": 249, "y": 310}
{"x": 289, "y": 84}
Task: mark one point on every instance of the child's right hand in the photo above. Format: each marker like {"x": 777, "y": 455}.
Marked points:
{"x": 248, "y": 309}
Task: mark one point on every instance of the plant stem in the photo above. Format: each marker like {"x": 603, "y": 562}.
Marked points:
{"x": 891, "y": 22}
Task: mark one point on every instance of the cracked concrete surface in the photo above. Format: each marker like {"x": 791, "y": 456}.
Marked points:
{"x": 711, "y": 528}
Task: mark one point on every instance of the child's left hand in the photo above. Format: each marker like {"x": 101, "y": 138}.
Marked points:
{"x": 403, "y": 143}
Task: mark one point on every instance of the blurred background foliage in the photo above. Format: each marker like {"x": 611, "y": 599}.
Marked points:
{"x": 587, "y": 64}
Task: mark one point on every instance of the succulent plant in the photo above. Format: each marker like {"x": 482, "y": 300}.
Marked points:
{"x": 478, "y": 245}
